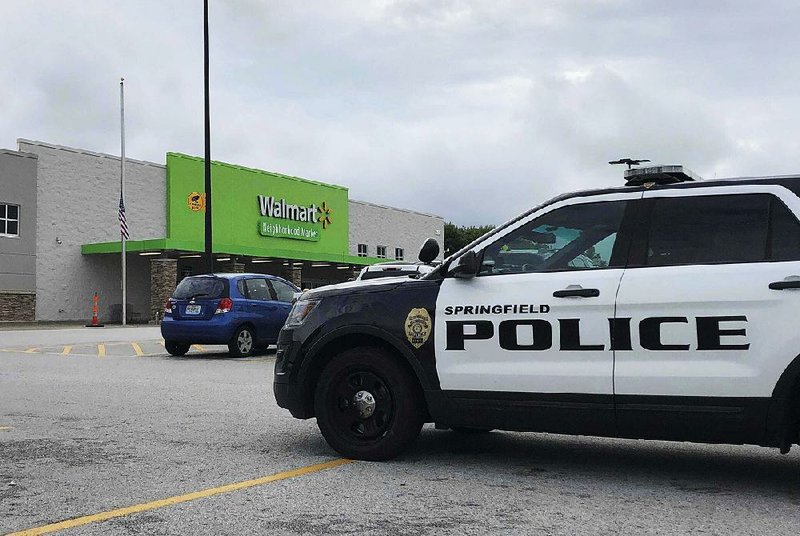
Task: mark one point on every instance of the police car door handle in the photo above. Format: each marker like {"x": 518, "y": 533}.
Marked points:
{"x": 785, "y": 284}
{"x": 576, "y": 291}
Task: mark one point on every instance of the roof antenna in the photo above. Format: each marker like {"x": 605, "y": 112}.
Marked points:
{"x": 630, "y": 161}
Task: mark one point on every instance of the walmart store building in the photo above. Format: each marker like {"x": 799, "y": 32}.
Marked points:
{"x": 59, "y": 232}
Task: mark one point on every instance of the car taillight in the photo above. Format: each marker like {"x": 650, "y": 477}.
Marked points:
{"x": 224, "y": 305}
{"x": 168, "y": 305}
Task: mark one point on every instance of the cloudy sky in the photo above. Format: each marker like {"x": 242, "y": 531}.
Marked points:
{"x": 471, "y": 110}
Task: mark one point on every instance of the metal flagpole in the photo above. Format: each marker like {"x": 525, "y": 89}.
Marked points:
{"x": 123, "y": 231}
{"x": 209, "y": 257}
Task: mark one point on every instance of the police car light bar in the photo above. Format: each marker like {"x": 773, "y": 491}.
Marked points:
{"x": 659, "y": 175}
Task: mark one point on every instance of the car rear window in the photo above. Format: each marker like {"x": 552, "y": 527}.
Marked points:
{"x": 200, "y": 287}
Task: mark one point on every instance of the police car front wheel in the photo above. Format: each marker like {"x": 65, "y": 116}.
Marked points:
{"x": 368, "y": 405}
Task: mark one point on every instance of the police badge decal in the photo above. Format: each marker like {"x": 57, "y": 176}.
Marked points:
{"x": 418, "y": 327}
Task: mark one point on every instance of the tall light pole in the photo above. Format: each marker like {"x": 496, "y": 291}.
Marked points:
{"x": 209, "y": 254}
{"x": 123, "y": 222}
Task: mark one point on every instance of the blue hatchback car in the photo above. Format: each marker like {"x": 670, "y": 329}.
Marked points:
{"x": 244, "y": 311}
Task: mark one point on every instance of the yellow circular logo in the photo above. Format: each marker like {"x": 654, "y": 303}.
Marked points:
{"x": 196, "y": 201}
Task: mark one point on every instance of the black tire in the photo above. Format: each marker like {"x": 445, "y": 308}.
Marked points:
{"x": 243, "y": 342}
{"x": 343, "y": 409}
{"x": 261, "y": 349}
{"x": 177, "y": 349}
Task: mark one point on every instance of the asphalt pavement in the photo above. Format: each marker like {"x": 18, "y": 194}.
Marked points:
{"x": 123, "y": 443}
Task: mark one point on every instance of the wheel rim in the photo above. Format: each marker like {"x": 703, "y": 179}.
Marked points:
{"x": 362, "y": 405}
{"x": 244, "y": 341}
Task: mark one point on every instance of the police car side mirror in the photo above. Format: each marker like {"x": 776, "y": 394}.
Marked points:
{"x": 467, "y": 266}
{"x": 429, "y": 250}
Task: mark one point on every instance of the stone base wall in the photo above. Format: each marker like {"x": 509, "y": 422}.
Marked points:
{"x": 294, "y": 274}
{"x": 163, "y": 275}
{"x": 232, "y": 267}
{"x": 17, "y": 306}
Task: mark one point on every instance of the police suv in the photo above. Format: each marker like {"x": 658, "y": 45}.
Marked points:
{"x": 665, "y": 309}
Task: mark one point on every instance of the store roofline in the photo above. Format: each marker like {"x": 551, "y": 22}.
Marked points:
{"x": 259, "y": 171}
{"x": 406, "y": 210}
{"x": 87, "y": 152}
{"x": 138, "y": 246}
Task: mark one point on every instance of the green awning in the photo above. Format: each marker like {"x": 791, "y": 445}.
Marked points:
{"x": 160, "y": 244}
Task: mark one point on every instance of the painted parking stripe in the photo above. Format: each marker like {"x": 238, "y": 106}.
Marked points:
{"x": 66, "y": 350}
{"x": 30, "y": 350}
{"x": 5, "y": 428}
{"x": 137, "y": 349}
{"x": 101, "y": 350}
{"x": 209, "y": 492}
{"x": 199, "y": 347}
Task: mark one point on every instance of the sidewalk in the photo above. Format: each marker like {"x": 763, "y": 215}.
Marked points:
{"x": 70, "y": 333}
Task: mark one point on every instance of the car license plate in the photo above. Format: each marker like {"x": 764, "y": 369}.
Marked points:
{"x": 192, "y": 309}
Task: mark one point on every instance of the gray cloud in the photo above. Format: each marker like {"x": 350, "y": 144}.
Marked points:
{"x": 471, "y": 110}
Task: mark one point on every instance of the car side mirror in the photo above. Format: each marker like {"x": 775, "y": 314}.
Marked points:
{"x": 429, "y": 251}
{"x": 467, "y": 266}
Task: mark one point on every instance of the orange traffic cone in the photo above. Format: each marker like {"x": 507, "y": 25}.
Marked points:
{"x": 95, "y": 323}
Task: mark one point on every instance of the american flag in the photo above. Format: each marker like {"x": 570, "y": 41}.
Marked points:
{"x": 123, "y": 223}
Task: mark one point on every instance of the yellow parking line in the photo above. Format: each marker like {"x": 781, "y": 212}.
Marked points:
{"x": 137, "y": 349}
{"x": 5, "y": 428}
{"x": 101, "y": 350}
{"x": 143, "y": 507}
{"x": 31, "y": 350}
{"x": 198, "y": 347}
{"x": 161, "y": 342}
{"x": 66, "y": 350}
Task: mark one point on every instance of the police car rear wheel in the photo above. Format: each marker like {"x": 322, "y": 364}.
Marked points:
{"x": 368, "y": 406}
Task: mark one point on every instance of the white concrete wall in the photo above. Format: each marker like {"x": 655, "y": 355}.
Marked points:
{"x": 78, "y": 197}
{"x": 378, "y": 225}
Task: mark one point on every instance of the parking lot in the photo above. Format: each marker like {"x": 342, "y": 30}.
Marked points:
{"x": 104, "y": 428}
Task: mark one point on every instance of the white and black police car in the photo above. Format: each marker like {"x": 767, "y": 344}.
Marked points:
{"x": 666, "y": 309}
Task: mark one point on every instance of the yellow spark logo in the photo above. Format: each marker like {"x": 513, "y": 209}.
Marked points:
{"x": 325, "y": 215}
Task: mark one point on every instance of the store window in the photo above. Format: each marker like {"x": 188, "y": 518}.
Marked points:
{"x": 362, "y": 250}
{"x": 9, "y": 220}
{"x": 381, "y": 252}
{"x": 398, "y": 254}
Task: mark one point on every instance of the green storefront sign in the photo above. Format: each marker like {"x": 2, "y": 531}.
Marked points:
{"x": 257, "y": 212}
{"x": 295, "y": 231}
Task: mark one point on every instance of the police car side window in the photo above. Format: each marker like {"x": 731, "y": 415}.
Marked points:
{"x": 576, "y": 237}
{"x": 708, "y": 229}
{"x": 784, "y": 232}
